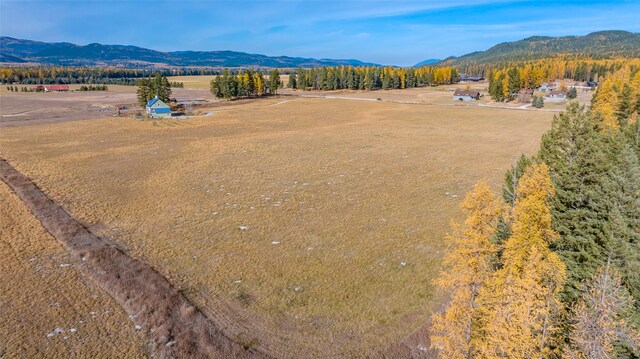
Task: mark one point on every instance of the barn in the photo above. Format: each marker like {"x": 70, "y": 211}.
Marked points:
{"x": 558, "y": 94}
{"x": 157, "y": 109}
{"x": 51, "y": 88}
{"x": 466, "y": 95}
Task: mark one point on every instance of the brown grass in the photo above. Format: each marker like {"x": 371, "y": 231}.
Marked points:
{"x": 312, "y": 226}
{"x": 174, "y": 327}
{"x": 41, "y": 289}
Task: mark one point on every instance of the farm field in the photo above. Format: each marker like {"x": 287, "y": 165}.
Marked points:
{"x": 285, "y": 219}
{"x": 50, "y": 310}
{"x": 20, "y": 109}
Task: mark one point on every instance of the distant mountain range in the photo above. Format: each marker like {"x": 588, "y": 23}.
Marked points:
{"x": 64, "y": 53}
{"x": 602, "y": 44}
{"x": 427, "y": 62}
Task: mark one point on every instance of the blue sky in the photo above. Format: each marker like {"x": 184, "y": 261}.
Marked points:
{"x": 387, "y": 32}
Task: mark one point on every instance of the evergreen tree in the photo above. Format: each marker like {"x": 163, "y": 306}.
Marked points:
{"x": 159, "y": 86}
{"x": 514, "y": 82}
{"x": 625, "y": 105}
{"x": 597, "y": 206}
{"x": 292, "y": 81}
{"x": 573, "y": 93}
{"x": 144, "y": 92}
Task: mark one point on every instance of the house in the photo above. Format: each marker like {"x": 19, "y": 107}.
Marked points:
{"x": 51, "y": 88}
{"x": 558, "y": 94}
{"x": 546, "y": 87}
{"x": 471, "y": 78}
{"x": 56, "y": 88}
{"x": 466, "y": 95}
{"x": 157, "y": 109}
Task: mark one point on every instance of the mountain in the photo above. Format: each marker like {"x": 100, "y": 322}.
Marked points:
{"x": 427, "y": 62}
{"x": 602, "y": 44}
{"x": 64, "y": 53}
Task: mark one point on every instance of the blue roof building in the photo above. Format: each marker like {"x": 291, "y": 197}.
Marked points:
{"x": 157, "y": 109}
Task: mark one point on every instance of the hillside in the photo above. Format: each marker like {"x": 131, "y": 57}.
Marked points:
{"x": 427, "y": 62}
{"x": 64, "y": 53}
{"x": 602, "y": 44}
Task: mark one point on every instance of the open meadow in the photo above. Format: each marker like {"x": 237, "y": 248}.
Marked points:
{"x": 285, "y": 219}
{"x": 56, "y": 311}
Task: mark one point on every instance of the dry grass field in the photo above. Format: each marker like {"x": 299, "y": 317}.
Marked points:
{"x": 47, "y": 308}
{"x": 20, "y": 108}
{"x": 203, "y": 82}
{"x": 309, "y": 226}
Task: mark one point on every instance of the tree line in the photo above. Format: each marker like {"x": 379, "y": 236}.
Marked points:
{"x": 555, "y": 67}
{"x": 49, "y": 75}
{"x": 370, "y": 77}
{"x": 19, "y": 89}
{"x": 505, "y": 83}
{"x": 246, "y": 83}
{"x": 93, "y": 88}
{"x": 551, "y": 268}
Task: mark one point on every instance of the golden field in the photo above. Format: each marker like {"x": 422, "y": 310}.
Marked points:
{"x": 47, "y": 308}
{"x": 285, "y": 220}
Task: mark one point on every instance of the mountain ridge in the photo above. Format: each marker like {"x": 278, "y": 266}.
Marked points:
{"x": 65, "y": 53}
{"x": 599, "y": 44}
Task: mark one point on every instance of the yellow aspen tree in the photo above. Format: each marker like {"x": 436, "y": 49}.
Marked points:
{"x": 635, "y": 82}
{"x": 505, "y": 86}
{"x": 604, "y": 103}
{"x": 259, "y": 84}
{"x": 469, "y": 264}
{"x": 519, "y": 304}
{"x": 248, "y": 83}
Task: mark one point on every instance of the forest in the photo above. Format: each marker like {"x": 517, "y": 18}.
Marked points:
{"x": 371, "y": 77}
{"x": 246, "y": 83}
{"x": 552, "y": 267}
{"x": 505, "y": 80}
{"x": 90, "y": 75}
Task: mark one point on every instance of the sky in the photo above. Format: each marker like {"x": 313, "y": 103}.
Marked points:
{"x": 397, "y": 32}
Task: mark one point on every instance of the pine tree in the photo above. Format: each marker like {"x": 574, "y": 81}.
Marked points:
{"x": 469, "y": 264}
{"x": 274, "y": 82}
{"x": 514, "y": 82}
{"x": 625, "y": 106}
{"x": 597, "y": 206}
{"x": 302, "y": 79}
{"x": 292, "y": 84}
{"x": 144, "y": 92}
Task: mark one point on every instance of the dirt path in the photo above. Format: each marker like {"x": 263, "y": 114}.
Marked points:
{"x": 175, "y": 327}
